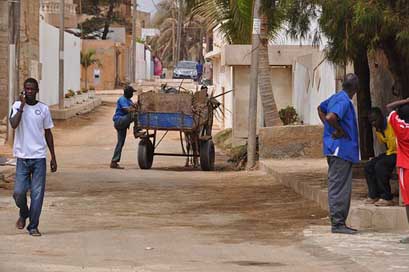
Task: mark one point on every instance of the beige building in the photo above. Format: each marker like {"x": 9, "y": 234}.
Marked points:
{"x": 300, "y": 77}
{"x": 112, "y": 71}
{"x": 29, "y": 47}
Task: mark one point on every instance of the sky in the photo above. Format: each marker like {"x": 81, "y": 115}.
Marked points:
{"x": 147, "y": 5}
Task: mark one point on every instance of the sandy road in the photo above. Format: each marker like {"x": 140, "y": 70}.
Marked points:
{"x": 165, "y": 219}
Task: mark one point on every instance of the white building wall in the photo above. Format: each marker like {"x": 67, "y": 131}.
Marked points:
{"x": 49, "y": 58}
{"x": 148, "y": 65}
{"x": 140, "y": 70}
{"x": 311, "y": 87}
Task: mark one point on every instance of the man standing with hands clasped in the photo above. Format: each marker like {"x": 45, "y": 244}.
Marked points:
{"x": 32, "y": 122}
{"x": 341, "y": 148}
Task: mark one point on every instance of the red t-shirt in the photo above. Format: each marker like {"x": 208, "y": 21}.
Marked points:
{"x": 401, "y": 129}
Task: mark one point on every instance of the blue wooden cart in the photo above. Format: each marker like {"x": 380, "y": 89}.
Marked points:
{"x": 190, "y": 114}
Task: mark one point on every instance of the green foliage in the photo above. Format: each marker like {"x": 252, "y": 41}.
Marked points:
{"x": 193, "y": 30}
{"x": 235, "y": 17}
{"x": 353, "y": 25}
{"x": 97, "y": 27}
{"x": 288, "y": 115}
{"x": 70, "y": 93}
{"x": 88, "y": 58}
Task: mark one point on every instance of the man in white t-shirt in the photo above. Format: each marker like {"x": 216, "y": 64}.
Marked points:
{"x": 32, "y": 122}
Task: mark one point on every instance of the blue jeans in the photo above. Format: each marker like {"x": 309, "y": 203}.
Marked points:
{"x": 121, "y": 125}
{"x": 30, "y": 175}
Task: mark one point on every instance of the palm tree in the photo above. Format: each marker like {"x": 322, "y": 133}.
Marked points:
{"x": 88, "y": 58}
{"x": 192, "y": 30}
{"x": 235, "y": 20}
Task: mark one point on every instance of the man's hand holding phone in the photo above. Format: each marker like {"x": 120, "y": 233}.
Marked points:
{"x": 22, "y": 100}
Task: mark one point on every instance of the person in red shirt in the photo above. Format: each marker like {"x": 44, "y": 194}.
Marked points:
{"x": 399, "y": 121}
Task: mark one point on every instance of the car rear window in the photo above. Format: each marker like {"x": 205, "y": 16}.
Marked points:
{"x": 186, "y": 65}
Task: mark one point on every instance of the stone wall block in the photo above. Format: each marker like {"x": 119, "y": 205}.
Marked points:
{"x": 291, "y": 142}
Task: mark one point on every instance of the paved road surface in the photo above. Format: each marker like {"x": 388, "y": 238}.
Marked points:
{"x": 165, "y": 219}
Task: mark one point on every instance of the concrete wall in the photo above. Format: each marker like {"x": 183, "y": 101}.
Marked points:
{"x": 106, "y": 54}
{"x": 223, "y": 82}
{"x": 140, "y": 72}
{"x": 277, "y": 54}
{"x": 4, "y": 53}
{"x": 49, "y": 47}
{"x": 281, "y": 79}
{"x": 114, "y": 58}
{"x": 29, "y": 47}
{"x": 290, "y": 142}
{"x": 314, "y": 80}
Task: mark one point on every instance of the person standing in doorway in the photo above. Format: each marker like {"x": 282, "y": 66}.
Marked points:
{"x": 32, "y": 122}
{"x": 123, "y": 117}
{"x": 341, "y": 148}
{"x": 378, "y": 170}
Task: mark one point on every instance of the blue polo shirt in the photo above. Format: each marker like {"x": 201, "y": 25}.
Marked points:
{"x": 344, "y": 148}
{"x": 122, "y": 103}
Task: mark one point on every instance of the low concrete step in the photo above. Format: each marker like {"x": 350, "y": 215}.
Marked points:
{"x": 307, "y": 177}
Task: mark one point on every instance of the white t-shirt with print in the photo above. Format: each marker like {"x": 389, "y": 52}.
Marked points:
{"x": 29, "y": 139}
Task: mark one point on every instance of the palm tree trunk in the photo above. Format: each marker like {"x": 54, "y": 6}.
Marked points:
{"x": 86, "y": 77}
{"x": 271, "y": 117}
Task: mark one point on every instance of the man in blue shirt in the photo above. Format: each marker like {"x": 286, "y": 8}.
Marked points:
{"x": 123, "y": 117}
{"x": 199, "y": 70}
{"x": 341, "y": 147}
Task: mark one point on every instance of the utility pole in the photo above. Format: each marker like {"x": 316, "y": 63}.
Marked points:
{"x": 179, "y": 28}
{"x": 14, "y": 41}
{"x": 133, "y": 54}
{"x": 252, "y": 124}
{"x": 61, "y": 58}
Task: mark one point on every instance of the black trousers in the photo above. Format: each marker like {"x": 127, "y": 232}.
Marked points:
{"x": 378, "y": 173}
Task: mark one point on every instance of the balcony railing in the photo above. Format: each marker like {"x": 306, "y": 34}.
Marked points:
{"x": 53, "y": 7}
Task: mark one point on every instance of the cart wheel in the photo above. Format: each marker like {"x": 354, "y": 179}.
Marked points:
{"x": 145, "y": 154}
{"x": 207, "y": 155}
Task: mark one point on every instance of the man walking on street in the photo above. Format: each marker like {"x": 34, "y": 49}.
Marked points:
{"x": 123, "y": 117}
{"x": 341, "y": 148}
{"x": 32, "y": 122}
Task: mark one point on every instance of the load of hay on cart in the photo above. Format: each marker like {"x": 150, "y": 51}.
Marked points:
{"x": 191, "y": 114}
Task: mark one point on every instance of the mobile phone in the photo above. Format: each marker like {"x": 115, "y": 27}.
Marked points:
{"x": 23, "y": 93}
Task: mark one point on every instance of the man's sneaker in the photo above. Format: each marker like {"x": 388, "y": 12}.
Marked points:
{"x": 21, "y": 223}
{"x": 343, "y": 230}
{"x": 115, "y": 165}
{"x": 384, "y": 203}
{"x": 371, "y": 200}
{"x": 34, "y": 232}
